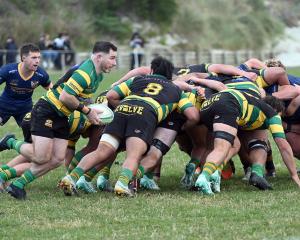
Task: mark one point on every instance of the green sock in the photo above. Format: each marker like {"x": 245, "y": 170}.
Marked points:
{"x": 126, "y": 176}
{"x": 89, "y": 175}
{"x": 258, "y": 169}
{"x": 4, "y": 167}
{"x": 72, "y": 165}
{"x": 140, "y": 172}
{"x": 76, "y": 159}
{"x": 8, "y": 174}
{"x": 195, "y": 161}
{"x": 208, "y": 169}
{"x": 105, "y": 171}
{"x": 149, "y": 175}
{"x": 220, "y": 167}
{"x": 27, "y": 177}
{"x": 16, "y": 144}
{"x": 76, "y": 173}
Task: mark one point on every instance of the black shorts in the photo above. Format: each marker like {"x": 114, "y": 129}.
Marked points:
{"x": 26, "y": 127}
{"x": 173, "y": 121}
{"x": 127, "y": 122}
{"x": 220, "y": 108}
{"x": 46, "y": 122}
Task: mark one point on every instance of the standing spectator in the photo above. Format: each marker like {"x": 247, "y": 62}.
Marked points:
{"x": 58, "y": 45}
{"x": 69, "y": 56}
{"x": 137, "y": 45}
{"x": 12, "y": 50}
{"x": 46, "y": 47}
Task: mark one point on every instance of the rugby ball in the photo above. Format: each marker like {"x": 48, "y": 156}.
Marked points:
{"x": 107, "y": 114}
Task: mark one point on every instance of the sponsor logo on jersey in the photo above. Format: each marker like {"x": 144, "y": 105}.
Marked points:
{"x": 49, "y": 123}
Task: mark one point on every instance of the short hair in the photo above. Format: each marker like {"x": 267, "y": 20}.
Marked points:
{"x": 162, "y": 66}
{"x": 275, "y": 103}
{"x": 274, "y": 63}
{"x": 29, "y": 47}
{"x": 105, "y": 47}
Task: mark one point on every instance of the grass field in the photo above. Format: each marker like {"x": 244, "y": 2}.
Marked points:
{"x": 238, "y": 212}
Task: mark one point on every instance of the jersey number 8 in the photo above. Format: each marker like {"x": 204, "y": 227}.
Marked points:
{"x": 153, "y": 88}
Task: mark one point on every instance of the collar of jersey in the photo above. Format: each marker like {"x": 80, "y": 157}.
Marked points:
{"x": 21, "y": 75}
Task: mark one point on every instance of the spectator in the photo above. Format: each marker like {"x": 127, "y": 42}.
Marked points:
{"x": 137, "y": 45}
{"x": 46, "y": 47}
{"x": 69, "y": 56}
{"x": 58, "y": 45}
{"x": 12, "y": 50}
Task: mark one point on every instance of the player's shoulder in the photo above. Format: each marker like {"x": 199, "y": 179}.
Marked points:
{"x": 10, "y": 68}
{"x": 40, "y": 72}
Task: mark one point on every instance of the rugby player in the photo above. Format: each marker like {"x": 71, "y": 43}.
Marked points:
{"x": 21, "y": 80}
{"x": 151, "y": 99}
{"x": 50, "y": 115}
{"x": 225, "y": 122}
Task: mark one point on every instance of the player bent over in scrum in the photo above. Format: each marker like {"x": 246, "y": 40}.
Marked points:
{"x": 151, "y": 99}
{"x": 225, "y": 122}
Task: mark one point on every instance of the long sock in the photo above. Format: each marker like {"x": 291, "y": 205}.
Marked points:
{"x": 4, "y": 167}
{"x": 258, "y": 169}
{"x": 76, "y": 159}
{"x": 89, "y": 175}
{"x": 76, "y": 173}
{"x": 195, "y": 161}
{"x": 105, "y": 171}
{"x": 140, "y": 172}
{"x": 126, "y": 176}
{"x": 149, "y": 175}
{"x": 27, "y": 177}
{"x": 16, "y": 144}
{"x": 208, "y": 169}
{"x": 8, "y": 174}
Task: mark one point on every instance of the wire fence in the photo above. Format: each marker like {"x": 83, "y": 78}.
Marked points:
{"x": 61, "y": 60}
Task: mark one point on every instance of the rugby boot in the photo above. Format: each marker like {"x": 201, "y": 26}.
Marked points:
{"x": 103, "y": 184}
{"x": 85, "y": 186}
{"x": 247, "y": 174}
{"x": 18, "y": 193}
{"x": 123, "y": 190}
{"x": 259, "y": 182}
{"x": 148, "y": 183}
{"x": 68, "y": 185}
{"x": 216, "y": 181}
{"x": 3, "y": 141}
{"x": 203, "y": 185}
{"x": 187, "y": 180}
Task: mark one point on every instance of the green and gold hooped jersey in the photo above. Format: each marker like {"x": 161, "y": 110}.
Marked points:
{"x": 82, "y": 84}
{"x": 256, "y": 114}
{"x": 162, "y": 95}
{"x": 198, "y": 68}
{"x": 195, "y": 99}
{"x": 78, "y": 124}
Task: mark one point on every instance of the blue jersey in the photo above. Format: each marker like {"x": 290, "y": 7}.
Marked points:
{"x": 17, "y": 94}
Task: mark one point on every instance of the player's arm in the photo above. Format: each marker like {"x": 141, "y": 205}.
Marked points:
{"x": 3, "y": 74}
{"x": 288, "y": 158}
{"x": 231, "y": 70}
{"x": 255, "y": 63}
{"x": 286, "y": 92}
{"x": 275, "y": 127}
{"x": 293, "y": 106}
{"x": 216, "y": 85}
{"x": 133, "y": 73}
{"x": 118, "y": 92}
{"x": 191, "y": 112}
